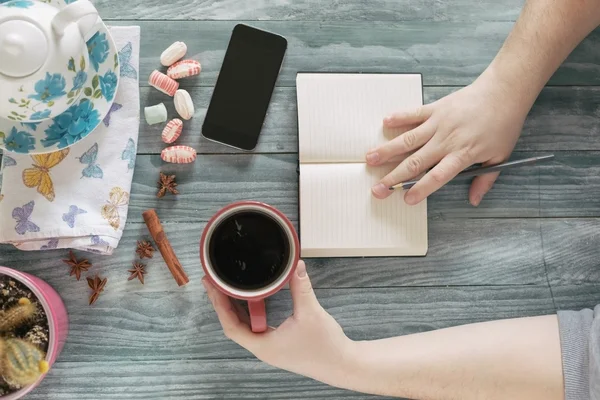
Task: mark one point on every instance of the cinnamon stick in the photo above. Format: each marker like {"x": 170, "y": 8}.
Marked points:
{"x": 158, "y": 234}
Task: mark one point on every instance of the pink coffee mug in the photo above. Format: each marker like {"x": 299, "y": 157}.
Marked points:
{"x": 255, "y": 297}
{"x": 58, "y": 322}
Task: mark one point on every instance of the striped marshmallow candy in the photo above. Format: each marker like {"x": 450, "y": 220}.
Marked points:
{"x": 163, "y": 83}
{"x": 183, "y": 69}
{"x": 172, "y": 130}
{"x": 178, "y": 155}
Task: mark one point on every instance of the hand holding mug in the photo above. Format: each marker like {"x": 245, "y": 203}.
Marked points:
{"x": 249, "y": 251}
{"x": 309, "y": 343}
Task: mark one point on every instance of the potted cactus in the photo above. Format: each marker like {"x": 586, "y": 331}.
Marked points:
{"x": 33, "y": 328}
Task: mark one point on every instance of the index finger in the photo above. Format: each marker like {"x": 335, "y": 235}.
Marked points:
{"x": 405, "y": 143}
{"x": 438, "y": 176}
{"x": 407, "y": 117}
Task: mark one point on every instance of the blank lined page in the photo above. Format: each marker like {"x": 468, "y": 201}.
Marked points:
{"x": 339, "y": 217}
{"x": 340, "y": 116}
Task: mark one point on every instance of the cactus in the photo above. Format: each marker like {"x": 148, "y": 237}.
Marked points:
{"x": 21, "y": 362}
{"x": 12, "y": 318}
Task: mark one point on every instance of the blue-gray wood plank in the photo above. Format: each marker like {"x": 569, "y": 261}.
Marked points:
{"x": 532, "y": 246}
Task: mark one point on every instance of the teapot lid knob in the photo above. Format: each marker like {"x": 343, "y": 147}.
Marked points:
{"x": 23, "y": 48}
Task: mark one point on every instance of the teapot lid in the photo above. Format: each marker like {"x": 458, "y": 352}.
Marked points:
{"x": 23, "y": 48}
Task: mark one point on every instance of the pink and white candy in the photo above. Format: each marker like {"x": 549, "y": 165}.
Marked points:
{"x": 163, "y": 83}
{"x": 178, "y": 155}
{"x": 183, "y": 69}
{"x": 172, "y": 130}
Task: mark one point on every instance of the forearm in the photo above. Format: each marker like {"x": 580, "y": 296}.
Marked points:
{"x": 508, "y": 359}
{"x": 542, "y": 38}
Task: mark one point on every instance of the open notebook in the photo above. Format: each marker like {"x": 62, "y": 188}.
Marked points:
{"x": 340, "y": 118}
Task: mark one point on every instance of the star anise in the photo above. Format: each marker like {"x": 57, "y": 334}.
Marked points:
{"x": 166, "y": 184}
{"x": 97, "y": 285}
{"x": 144, "y": 249}
{"x": 77, "y": 267}
{"x": 138, "y": 271}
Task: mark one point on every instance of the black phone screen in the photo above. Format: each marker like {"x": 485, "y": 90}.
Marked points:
{"x": 244, "y": 87}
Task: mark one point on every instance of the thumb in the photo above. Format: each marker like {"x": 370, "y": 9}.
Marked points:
{"x": 303, "y": 294}
{"x": 481, "y": 185}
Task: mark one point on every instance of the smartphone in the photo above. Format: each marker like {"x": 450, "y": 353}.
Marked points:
{"x": 242, "y": 94}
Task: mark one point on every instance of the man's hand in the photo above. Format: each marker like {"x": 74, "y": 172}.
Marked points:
{"x": 480, "y": 123}
{"x": 310, "y": 342}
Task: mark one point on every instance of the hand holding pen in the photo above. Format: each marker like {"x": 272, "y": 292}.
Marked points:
{"x": 478, "y": 124}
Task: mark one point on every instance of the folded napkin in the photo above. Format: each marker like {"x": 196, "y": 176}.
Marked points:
{"x": 80, "y": 195}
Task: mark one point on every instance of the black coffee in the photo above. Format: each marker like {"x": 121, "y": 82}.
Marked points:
{"x": 249, "y": 250}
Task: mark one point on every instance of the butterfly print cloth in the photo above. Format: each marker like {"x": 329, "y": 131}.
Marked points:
{"x": 78, "y": 197}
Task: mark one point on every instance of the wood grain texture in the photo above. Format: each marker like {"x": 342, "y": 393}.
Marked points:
{"x": 563, "y": 118}
{"x": 575, "y": 297}
{"x": 446, "y": 53}
{"x": 194, "y": 380}
{"x": 316, "y": 10}
{"x": 576, "y": 177}
{"x": 572, "y": 258}
{"x": 492, "y": 252}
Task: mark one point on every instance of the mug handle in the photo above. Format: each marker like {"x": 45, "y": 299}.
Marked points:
{"x": 82, "y": 11}
{"x": 258, "y": 315}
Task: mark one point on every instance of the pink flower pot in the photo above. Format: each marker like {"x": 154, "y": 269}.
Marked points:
{"x": 58, "y": 322}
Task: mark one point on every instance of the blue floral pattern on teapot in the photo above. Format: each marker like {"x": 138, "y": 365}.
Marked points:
{"x": 28, "y": 94}
{"x": 81, "y": 118}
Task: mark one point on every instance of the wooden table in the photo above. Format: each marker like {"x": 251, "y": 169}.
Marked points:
{"x": 531, "y": 247}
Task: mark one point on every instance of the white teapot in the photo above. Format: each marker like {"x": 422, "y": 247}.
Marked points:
{"x": 43, "y": 57}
